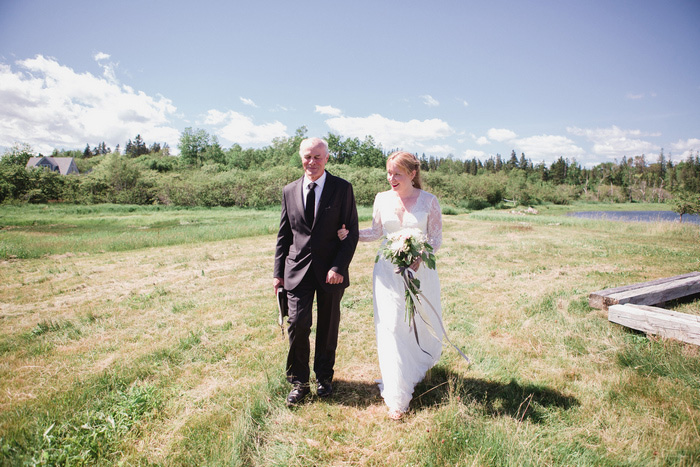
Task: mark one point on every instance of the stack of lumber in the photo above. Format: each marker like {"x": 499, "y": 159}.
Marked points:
{"x": 629, "y": 306}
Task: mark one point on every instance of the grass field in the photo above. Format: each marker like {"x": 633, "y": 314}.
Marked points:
{"x": 147, "y": 336}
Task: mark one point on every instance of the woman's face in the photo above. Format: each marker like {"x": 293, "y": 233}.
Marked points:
{"x": 398, "y": 178}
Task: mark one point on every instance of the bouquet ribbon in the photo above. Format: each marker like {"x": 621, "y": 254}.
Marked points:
{"x": 407, "y": 276}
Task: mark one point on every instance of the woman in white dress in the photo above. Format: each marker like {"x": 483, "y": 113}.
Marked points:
{"x": 403, "y": 359}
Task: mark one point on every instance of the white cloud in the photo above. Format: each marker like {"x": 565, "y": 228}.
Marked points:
{"x": 482, "y": 141}
{"x": 108, "y": 69}
{"x": 548, "y": 148}
{"x": 682, "y": 149}
{"x": 429, "y": 100}
{"x": 500, "y": 134}
{"x": 391, "y": 134}
{"x": 464, "y": 103}
{"x": 215, "y": 117}
{"x": 328, "y": 110}
{"x": 615, "y": 142}
{"x": 238, "y": 128}
{"x": 248, "y": 102}
{"x": 439, "y": 150}
{"x": 638, "y": 96}
{"x": 50, "y": 106}
{"x": 473, "y": 154}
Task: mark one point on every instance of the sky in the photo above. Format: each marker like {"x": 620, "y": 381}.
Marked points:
{"x": 592, "y": 81}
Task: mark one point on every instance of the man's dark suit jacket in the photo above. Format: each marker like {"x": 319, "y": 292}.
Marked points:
{"x": 300, "y": 247}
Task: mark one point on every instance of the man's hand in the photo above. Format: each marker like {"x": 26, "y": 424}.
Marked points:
{"x": 277, "y": 282}
{"x": 334, "y": 278}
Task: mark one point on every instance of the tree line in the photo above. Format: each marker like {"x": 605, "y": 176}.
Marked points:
{"x": 206, "y": 174}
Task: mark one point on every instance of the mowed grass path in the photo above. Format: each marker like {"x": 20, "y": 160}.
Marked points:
{"x": 171, "y": 355}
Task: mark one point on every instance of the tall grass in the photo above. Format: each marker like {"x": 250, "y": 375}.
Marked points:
{"x": 170, "y": 354}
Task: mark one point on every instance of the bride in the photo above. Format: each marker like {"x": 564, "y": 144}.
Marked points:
{"x": 404, "y": 358}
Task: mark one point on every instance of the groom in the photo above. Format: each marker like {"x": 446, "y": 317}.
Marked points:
{"x": 311, "y": 260}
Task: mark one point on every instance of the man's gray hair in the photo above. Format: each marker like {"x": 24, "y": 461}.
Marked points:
{"x": 311, "y": 142}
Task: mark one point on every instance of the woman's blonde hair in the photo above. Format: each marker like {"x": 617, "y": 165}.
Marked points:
{"x": 408, "y": 162}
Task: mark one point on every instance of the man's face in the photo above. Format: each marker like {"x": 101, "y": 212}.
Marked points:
{"x": 313, "y": 159}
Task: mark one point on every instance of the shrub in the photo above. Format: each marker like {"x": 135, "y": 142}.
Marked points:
{"x": 366, "y": 182}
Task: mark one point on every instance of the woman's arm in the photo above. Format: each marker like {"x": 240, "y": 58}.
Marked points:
{"x": 435, "y": 224}
{"x": 372, "y": 233}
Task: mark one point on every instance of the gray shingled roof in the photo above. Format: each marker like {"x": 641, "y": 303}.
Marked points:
{"x": 64, "y": 165}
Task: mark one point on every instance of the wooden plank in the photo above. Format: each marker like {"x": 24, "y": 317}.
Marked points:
{"x": 661, "y": 293}
{"x": 664, "y": 311}
{"x": 658, "y": 321}
{"x": 648, "y": 293}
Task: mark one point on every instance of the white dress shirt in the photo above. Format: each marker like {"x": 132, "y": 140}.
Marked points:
{"x": 319, "y": 188}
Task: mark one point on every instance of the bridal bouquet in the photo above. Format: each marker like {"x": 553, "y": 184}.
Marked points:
{"x": 402, "y": 249}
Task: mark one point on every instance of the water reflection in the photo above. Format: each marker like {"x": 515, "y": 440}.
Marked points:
{"x": 637, "y": 216}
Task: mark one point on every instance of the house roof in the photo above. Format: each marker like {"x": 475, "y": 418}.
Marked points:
{"x": 64, "y": 165}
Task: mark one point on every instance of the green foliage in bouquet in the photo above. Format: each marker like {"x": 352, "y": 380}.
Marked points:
{"x": 402, "y": 249}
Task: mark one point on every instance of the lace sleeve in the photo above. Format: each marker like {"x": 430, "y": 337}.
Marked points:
{"x": 374, "y": 232}
{"x": 435, "y": 224}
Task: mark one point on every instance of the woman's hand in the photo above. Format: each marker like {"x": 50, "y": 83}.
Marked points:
{"x": 415, "y": 264}
{"x": 343, "y": 233}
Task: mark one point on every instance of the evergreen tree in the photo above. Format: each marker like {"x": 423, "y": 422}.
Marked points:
{"x": 542, "y": 171}
{"x": 558, "y": 171}
{"x": 140, "y": 147}
{"x": 522, "y": 163}
{"x": 512, "y": 162}
{"x": 499, "y": 163}
{"x": 574, "y": 174}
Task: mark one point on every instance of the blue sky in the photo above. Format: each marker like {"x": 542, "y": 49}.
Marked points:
{"x": 588, "y": 80}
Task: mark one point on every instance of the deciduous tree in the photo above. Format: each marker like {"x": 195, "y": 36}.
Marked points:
{"x": 192, "y": 145}
{"x": 686, "y": 202}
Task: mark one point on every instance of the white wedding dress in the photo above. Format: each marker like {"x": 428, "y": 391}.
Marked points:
{"x": 402, "y": 362}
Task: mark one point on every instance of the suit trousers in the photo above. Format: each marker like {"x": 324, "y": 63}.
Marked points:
{"x": 300, "y": 301}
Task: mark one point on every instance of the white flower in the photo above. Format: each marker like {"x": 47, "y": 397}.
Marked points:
{"x": 396, "y": 246}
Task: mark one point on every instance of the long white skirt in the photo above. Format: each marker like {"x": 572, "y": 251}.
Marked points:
{"x": 403, "y": 363}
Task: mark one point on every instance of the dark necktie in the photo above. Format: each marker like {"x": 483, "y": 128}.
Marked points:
{"x": 310, "y": 204}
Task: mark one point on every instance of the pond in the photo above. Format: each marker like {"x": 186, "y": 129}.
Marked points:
{"x": 637, "y": 216}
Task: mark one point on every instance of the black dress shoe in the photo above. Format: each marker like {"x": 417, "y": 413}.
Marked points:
{"x": 324, "y": 389}
{"x": 297, "y": 394}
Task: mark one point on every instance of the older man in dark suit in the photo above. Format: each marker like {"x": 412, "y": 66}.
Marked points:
{"x": 311, "y": 260}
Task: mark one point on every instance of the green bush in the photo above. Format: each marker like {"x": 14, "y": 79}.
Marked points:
{"x": 366, "y": 183}
{"x": 176, "y": 190}
{"x": 467, "y": 191}
{"x": 158, "y": 162}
